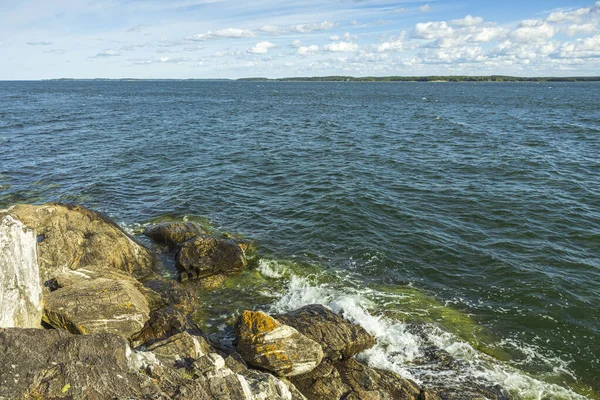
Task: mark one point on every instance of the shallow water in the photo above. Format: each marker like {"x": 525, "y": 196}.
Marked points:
{"x": 483, "y": 199}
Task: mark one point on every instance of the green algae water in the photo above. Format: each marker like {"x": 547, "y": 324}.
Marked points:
{"x": 470, "y": 210}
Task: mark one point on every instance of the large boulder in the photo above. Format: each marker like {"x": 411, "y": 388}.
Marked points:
{"x": 339, "y": 338}
{"x": 71, "y": 237}
{"x": 53, "y": 364}
{"x": 97, "y": 305}
{"x": 349, "y": 379}
{"x": 264, "y": 342}
{"x": 173, "y": 234}
{"x": 20, "y": 286}
{"x": 205, "y": 257}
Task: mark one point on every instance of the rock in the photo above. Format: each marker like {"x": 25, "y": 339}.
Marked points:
{"x": 20, "y": 286}
{"x": 71, "y": 278}
{"x": 173, "y": 234}
{"x": 265, "y": 386}
{"x": 71, "y": 237}
{"x": 181, "y": 346}
{"x": 45, "y": 364}
{"x": 164, "y": 323}
{"x": 206, "y": 256}
{"x": 350, "y": 379}
{"x": 339, "y": 338}
{"x": 468, "y": 389}
{"x": 98, "y": 305}
{"x": 236, "y": 363}
{"x": 266, "y": 343}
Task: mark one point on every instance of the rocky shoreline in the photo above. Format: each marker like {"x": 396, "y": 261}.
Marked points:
{"x": 86, "y": 312}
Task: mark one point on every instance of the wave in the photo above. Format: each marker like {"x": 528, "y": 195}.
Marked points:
{"x": 402, "y": 347}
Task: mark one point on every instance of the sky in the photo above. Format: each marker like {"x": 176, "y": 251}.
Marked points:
{"x": 42, "y": 39}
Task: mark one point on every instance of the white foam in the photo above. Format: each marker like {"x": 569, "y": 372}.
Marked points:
{"x": 398, "y": 348}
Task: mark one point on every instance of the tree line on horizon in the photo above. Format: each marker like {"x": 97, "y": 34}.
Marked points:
{"x": 432, "y": 78}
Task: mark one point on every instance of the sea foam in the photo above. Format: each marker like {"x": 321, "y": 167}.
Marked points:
{"x": 399, "y": 348}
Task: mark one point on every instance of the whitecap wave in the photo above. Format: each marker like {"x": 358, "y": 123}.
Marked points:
{"x": 399, "y": 348}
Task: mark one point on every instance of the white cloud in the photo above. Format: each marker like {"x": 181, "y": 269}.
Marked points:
{"x": 583, "y": 29}
{"x": 469, "y": 20}
{"x": 389, "y": 46}
{"x": 40, "y": 43}
{"x": 532, "y": 30}
{"x": 577, "y": 15}
{"x": 346, "y": 36}
{"x": 582, "y": 48}
{"x": 425, "y": 8}
{"x": 273, "y": 29}
{"x": 108, "y": 53}
{"x": 306, "y": 50}
{"x": 323, "y": 26}
{"x": 431, "y": 30}
{"x": 261, "y": 47}
{"x": 481, "y": 34}
{"x": 222, "y": 33}
{"x": 341, "y": 47}
{"x": 296, "y": 43}
{"x": 161, "y": 60}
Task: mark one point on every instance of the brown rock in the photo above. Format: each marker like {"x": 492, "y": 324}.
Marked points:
{"x": 205, "y": 257}
{"x": 266, "y": 343}
{"x": 349, "y": 379}
{"x": 71, "y": 237}
{"x": 339, "y": 338}
{"x": 173, "y": 234}
{"x": 97, "y": 306}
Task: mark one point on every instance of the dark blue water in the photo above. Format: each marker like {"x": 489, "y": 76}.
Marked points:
{"x": 484, "y": 196}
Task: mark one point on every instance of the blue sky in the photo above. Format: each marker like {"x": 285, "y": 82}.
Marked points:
{"x": 42, "y": 39}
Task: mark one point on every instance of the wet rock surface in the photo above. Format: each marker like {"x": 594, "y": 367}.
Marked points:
{"x": 349, "y": 379}
{"x": 266, "y": 343}
{"x": 207, "y": 256}
{"x": 174, "y": 234}
{"x": 339, "y": 338}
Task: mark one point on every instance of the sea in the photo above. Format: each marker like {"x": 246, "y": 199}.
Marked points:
{"x": 464, "y": 216}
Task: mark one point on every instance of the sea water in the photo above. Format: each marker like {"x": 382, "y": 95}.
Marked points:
{"x": 468, "y": 210}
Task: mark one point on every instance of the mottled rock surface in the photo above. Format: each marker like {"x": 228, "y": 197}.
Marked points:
{"x": 20, "y": 286}
{"x": 98, "y": 305}
{"x": 173, "y": 234}
{"x": 181, "y": 346}
{"x": 45, "y": 364}
{"x": 266, "y": 343}
{"x": 72, "y": 237}
{"x": 206, "y": 257}
{"x": 349, "y": 379}
{"x": 339, "y": 338}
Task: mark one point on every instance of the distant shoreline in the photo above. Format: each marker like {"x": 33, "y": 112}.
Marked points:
{"x": 339, "y": 78}
{"x": 433, "y": 78}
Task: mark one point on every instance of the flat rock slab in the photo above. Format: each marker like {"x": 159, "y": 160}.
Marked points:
{"x": 267, "y": 343}
{"x": 53, "y": 364}
{"x": 97, "y": 306}
{"x": 340, "y": 338}
{"x": 207, "y": 256}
